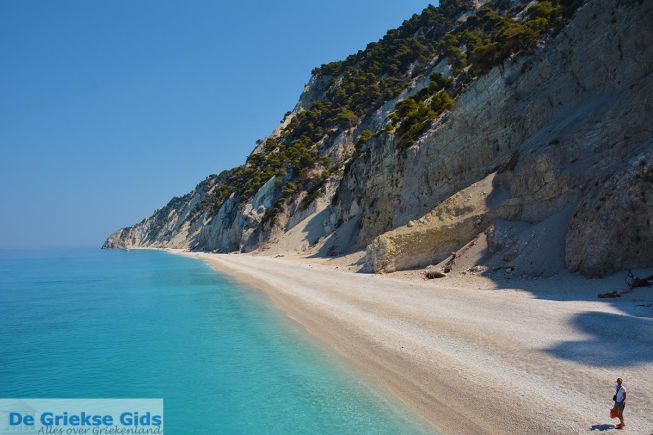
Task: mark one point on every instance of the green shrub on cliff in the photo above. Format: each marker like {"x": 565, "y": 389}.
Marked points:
{"x": 441, "y": 101}
{"x": 364, "y": 137}
{"x": 414, "y": 115}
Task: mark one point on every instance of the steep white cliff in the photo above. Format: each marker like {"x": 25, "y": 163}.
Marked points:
{"x": 567, "y": 132}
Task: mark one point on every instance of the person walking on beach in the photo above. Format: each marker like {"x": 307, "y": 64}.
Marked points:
{"x": 620, "y": 402}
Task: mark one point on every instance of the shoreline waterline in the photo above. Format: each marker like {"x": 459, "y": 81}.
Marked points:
{"x": 292, "y": 313}
{"x": 449, "y": 350}
{"x": 375, "y": 373}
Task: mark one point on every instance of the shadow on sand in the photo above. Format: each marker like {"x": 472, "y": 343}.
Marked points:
{"x": 607, "y": 335}
{"x": 612, "y": 339}
{"x": 602, "y": 427}
{"x": 622, "y": 339}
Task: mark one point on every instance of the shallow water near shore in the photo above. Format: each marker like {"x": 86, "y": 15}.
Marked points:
{"x": 102, "y": 324}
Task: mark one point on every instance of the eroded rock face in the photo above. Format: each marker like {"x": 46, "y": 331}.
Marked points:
{"x": 566, "y": 120}
{"x": 447, "y": 227}
{"x": 612, "y": 228}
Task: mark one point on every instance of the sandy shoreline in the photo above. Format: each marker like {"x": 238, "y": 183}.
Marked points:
{"x": 469, "y": 355}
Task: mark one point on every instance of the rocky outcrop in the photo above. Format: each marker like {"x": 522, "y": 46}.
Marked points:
{"x": 429, "y": 239}
{"x": 560, "y": 140}
{"x": 612, "y": 228}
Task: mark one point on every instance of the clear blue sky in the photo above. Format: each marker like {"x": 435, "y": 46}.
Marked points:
{"x": 110, "y": 108}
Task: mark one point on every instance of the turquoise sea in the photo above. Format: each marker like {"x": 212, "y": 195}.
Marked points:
{"x": 147, "y": 324}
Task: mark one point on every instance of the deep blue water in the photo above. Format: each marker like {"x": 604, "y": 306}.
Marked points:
{"x": 147, "y": 324}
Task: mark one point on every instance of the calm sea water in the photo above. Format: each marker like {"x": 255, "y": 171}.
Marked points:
{"x": 102, "y": 324}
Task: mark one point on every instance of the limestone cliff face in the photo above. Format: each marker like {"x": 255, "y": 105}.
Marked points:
{"x": 548, "y": 150}
{"x": 612, "y": 228}
{"x": 562, "y": 123}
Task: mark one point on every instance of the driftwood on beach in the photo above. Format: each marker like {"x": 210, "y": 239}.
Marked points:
{"x": 632, "y": 282}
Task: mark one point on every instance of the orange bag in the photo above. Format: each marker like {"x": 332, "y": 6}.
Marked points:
{"x": 613, "y": 413}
